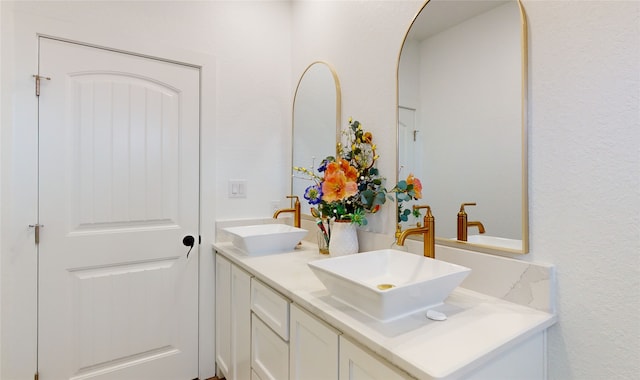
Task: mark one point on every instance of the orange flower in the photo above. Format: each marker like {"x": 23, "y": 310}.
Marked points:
{"x": 339, "y": 181}
{"x": 417, "y": 185}
{"x": 349, "y": 171}
{"x": 342, "y": 166}
{"x": 332, "y": 168}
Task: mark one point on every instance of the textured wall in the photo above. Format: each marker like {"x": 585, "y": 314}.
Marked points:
{"x": 584, "y": 141}
{"x": 585, "y": 180}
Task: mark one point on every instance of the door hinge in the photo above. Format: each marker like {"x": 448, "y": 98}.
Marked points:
{"x": 38, "y": 79}
{"x": 36, "y": 234}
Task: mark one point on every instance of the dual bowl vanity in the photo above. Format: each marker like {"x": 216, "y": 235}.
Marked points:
{"x": 297, "y": 314}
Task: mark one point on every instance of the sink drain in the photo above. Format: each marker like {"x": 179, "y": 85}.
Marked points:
{"x": 385, "y": 286}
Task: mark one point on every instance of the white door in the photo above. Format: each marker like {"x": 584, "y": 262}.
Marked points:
{"x": 118, "y": 191}
{"x": 407, "y": 139}
{"x": 409, "y": 153}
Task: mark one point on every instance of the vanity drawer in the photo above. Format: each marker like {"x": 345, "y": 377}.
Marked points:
{"x": 271, "y": 307}
{"x": 269, "y": 353}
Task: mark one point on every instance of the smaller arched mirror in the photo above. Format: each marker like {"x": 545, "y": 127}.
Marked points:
{"x": 316, "y": 123}
{"x": 462, "y": 76}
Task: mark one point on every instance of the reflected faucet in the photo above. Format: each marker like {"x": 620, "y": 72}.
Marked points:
{"x": 463, "y": 224}
{"x": 295, "y": 210}
{"x": 427, "y": 229}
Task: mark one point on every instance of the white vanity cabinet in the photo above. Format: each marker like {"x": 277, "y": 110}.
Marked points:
{"x": 357, "y": 363}
{"x": 274, "y": 322}
{"x": 233, "y": 321}
{"x": 313, "y": 347}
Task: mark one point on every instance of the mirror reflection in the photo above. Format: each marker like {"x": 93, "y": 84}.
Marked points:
{"x": 461, "y": 127}
{"x": 316, "y": 122}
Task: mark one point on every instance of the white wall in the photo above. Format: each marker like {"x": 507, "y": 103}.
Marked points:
{"x": 584, "y": 141}
{"x": 585, "y": 180}
{"x": 244, "y": 51}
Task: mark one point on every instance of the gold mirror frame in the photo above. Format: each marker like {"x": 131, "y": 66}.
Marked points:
{"x": 338, "y": 116}
{"x": 494, "y": 249}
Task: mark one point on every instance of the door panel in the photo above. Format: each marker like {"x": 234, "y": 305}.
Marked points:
{"x": 118, "y": 172}
{"x": 128, "y": 168}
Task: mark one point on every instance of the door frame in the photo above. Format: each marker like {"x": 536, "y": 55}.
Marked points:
{"x": 18, "y": 160}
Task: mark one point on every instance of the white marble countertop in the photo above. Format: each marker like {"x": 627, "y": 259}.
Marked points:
{"x": 479, "y": 328}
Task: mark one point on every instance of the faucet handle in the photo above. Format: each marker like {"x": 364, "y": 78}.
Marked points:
{"x": 427, "y": 214}
{"x": 418, "y": 207}
{"x": 462, "y": 207}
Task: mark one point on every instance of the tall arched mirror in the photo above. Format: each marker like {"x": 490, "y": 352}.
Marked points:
{"x": 316, "y": 122}
{"x": 462, "y": 76}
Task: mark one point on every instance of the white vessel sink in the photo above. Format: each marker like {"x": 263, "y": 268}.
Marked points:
{"x": 388, "y": 284}
{"x": 262, "y": 239}
{"x": 495, "y": 241}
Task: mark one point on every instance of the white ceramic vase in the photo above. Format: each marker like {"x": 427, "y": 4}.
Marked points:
{"x": 344, "y": 238}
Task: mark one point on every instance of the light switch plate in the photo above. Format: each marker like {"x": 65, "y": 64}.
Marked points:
{"x": 237, "y": 188}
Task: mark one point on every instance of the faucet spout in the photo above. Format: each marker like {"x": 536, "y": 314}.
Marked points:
{"x": 464, "y": 224}
{"x": 427, "y": 230}
{"x": 295, "y": 210}
{"x": 281, "y": 211}
{"x": 476, "y": 224}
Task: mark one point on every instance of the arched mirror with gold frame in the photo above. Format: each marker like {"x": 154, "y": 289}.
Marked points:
{"x": 462, "y": 86}
{"x": 316, "y": 123}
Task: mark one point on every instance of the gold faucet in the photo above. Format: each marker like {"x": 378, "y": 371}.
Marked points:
{"x": 463, "y": 224}
{"x": 427, "y": 229}
{"x": 295, "y": 210}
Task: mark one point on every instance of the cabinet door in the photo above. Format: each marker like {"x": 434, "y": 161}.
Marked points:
{"x": 269, "y": 353}
{"x": 233, "y": 320}
{"x": 313, "y": 348}
{"x": 223, "y": 316}
{"x": 358, "y": 364}
{"x": 240, "y": 324}
{"x": 527, "y": 361}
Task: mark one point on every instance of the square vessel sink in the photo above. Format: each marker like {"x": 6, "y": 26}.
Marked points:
{"x": 388, "y": 284}
{"x": 262, "y": 239}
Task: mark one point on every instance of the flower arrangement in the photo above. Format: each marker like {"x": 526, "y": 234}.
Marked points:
{"x": 349, "y": 185}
